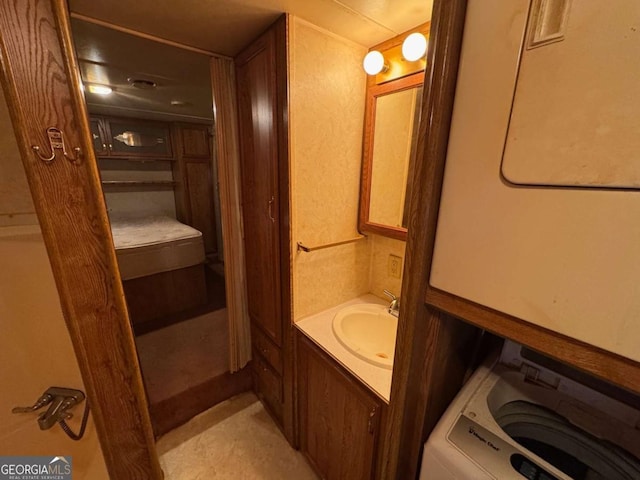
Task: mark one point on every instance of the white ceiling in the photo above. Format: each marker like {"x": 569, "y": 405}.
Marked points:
{"x": 110, "y": 57}
{"x": 226, "y": 26}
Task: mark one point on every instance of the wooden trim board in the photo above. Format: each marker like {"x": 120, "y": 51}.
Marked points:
{"x": 177, "y": 410}
{"x": 42, "y": 86}
{"x": 593, "y": 360}
{"x": 284, "y": 215}
{"x": 430, "y": 360}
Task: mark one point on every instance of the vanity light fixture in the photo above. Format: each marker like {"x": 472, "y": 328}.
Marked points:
{"x": 100, "y": 89}
{"x": 374, "y": 63}
{"x": 414, "y": 47}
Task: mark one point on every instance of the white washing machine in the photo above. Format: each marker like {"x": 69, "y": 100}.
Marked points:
{"x": 524, "y": 416}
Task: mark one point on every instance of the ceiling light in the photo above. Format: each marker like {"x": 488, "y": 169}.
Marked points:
{"x": 178, "y": 103}
{"x": 414, "y": 47}
{"x": 374, "y": 63}
{"x": 142, "y": 84}
{"x": 100, "y": 89}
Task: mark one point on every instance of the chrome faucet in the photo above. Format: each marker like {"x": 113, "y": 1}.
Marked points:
{"x": 394, "y": 306}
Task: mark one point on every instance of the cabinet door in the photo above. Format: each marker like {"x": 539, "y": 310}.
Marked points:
{"x": 257, "y": 108}
{"x": 135, "y": 138}
{"x": 339, "y": 418}
{"x": 201, "y": 202}
{"x": 268, "y": 385}
{"x": 195, "y": 141}
{"x": 98, "y": 136}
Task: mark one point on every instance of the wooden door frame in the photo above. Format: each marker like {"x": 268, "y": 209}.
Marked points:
{"x": 281, "y": 27}
{"x": 42, "y": 86}
{"x": 431, "y": 348}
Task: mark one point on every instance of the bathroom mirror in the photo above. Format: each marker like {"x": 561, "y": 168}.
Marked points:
{"x": 392, "y": 115}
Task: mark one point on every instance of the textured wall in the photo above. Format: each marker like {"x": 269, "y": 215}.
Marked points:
{"x": 326, "y": 121}
{"x": 16, "y": 206}
{"x": 381, "y": 248}
{"x": 37, "y": 353}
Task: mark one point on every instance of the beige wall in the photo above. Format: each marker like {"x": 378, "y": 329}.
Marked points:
{"x": 381, "y": 248}
{"x": 327, "y": 100}
{"x": 36, "y": 350}
{"x": 326, "y": 121}
{"x": 16, "y": 206}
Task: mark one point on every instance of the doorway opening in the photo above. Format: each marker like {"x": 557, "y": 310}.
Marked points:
{"x": 150, "y": 111}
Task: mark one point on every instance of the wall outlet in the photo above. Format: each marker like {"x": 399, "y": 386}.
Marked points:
{"x": 394, "y": 266}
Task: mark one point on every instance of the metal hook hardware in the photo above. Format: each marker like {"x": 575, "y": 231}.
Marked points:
{"x": 56, "y": 142}
{"x": 60, "y": 400}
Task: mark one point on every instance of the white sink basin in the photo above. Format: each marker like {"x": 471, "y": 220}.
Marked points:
{"x": 367, "y": 330}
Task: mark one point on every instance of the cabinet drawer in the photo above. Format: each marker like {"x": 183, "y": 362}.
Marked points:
{"x": 267, "y": 349}
{"x": 268, "y": 385}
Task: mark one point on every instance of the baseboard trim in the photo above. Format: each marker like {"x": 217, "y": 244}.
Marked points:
{"x": 177, "y": 410}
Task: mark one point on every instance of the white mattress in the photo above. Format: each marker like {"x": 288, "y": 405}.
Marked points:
{"x": 154, "y": 244}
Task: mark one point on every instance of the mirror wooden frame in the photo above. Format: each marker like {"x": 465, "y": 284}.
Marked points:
{"x": 373, "y": 92}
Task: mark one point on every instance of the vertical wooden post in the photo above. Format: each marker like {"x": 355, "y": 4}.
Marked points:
{"x": 428, "y": 367}
{"x": 42, "y": 86}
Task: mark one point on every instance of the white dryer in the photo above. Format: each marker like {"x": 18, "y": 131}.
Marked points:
{"x": 524, "y": 416}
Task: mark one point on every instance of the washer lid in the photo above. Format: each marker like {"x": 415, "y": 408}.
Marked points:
{"x": 565, "y": 446}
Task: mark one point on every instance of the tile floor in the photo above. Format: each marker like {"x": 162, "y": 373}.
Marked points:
{"x": 236, "y": 439}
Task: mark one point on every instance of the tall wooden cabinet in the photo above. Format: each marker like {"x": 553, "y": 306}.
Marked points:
{"x": 261, "y": 86}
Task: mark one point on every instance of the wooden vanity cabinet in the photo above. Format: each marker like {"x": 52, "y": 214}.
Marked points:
{"x": 339, "y": 418}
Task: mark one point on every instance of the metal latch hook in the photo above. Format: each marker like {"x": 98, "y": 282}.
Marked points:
{"x": 56, "y": 142}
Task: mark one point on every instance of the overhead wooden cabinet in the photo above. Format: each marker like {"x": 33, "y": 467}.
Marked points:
{"x": 129, "y": 137}
{"x": 339, "y": 418}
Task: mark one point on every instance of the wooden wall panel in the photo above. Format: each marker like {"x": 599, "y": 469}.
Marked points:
{"x": 198, "y": 177}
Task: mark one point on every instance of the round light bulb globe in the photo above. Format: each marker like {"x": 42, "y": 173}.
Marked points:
{"x": 414, "y": 47}
{"x": 373, "y": 62}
